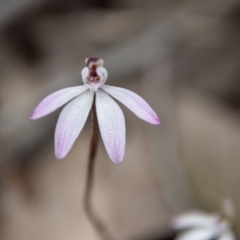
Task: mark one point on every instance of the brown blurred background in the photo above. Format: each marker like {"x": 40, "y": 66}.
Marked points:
{"x": 183, "y": 57}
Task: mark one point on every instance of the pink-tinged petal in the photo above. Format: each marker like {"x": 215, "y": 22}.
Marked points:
{"x": 198, "y": 234}
{"x": 112, "y": 126}
{"x": 195, "y": 219}
{"x": 56, "y": 100}
{"x": 71, "y": 122}
{"x": 134, "y": 102}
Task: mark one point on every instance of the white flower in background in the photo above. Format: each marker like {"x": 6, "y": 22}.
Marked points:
{"x": 110, "y": 117}
{"x": 203, "y": 226}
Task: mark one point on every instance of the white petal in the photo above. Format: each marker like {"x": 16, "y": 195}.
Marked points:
{"x": 71, "y": 122}
{"x": 112, "y": 126}
{"x": 84, "y": 74}
{"x": 102, "y": 73}
{"x": 56, "y": 100}
{"x": 194, "y": 219}
{"x": 134, "y": 102}
{"x": 198, "y": 234}
{"x": 227, "y": 236}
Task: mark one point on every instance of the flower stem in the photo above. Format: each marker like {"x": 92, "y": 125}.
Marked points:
{"x": 96, "y": 222}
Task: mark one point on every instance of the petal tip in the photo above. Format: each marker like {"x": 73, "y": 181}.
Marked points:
{"x": 32, "y": 117}
{"x": 118, "y": 162}
{"x": 35, "y": 115}
{"x": 156, "y": 121}
{"x": 118, "y": 158}
{"x": 59, "y": 155}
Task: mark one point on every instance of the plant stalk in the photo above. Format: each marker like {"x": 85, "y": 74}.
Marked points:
{"x": 93, "y": 218}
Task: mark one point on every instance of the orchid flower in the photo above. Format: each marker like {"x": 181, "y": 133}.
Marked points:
{"x": 79, "y": 101}
{"x": 203, "y": 226}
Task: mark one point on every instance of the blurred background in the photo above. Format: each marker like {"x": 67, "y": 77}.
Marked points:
{"x": 183, "y": 57}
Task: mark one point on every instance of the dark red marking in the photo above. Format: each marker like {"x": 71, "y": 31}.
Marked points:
{"x": 92, "y": 59}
